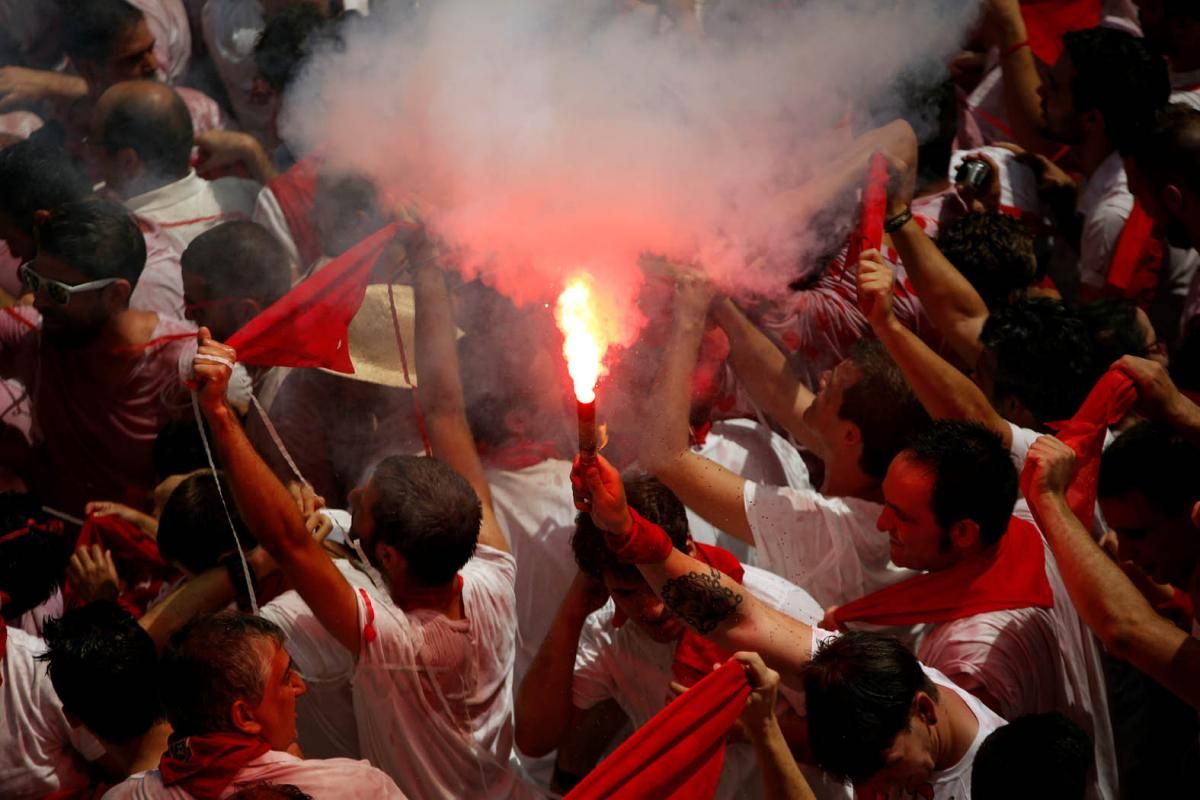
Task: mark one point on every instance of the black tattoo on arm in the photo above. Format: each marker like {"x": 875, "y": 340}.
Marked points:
{"x": 700, "y": 600}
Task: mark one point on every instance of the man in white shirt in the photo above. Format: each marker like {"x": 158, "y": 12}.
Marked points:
{"x": 230, "y": 690}
{"x": 142, "y": 142}
{"x": 824, "y": 541}
{"x": 437, "y": 659}
{"x": 628, "y": 651}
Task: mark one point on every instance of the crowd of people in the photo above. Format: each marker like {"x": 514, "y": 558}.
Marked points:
{"x": 937, "y": 499}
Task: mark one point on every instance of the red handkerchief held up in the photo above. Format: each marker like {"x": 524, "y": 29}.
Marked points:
{"x": 679, "y": 753}
{"x": 1047, "y": 20}
{"x": 309, "y": 326}
{"x": 868, "y": 235}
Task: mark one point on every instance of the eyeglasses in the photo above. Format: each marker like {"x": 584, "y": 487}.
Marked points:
{"x": 58, "y": 291}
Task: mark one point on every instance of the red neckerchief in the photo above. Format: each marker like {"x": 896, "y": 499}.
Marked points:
{"x": 203, "y": 766}
{"x": 295, "y": 191}
{"x": 1012, "y": 575}
{"x": 695, "y": 655}
{"x": 514, "y": 457}
{"x": 1137, "y": 258}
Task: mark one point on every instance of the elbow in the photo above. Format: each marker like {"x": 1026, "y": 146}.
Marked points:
{"x": 1121, "y": 638}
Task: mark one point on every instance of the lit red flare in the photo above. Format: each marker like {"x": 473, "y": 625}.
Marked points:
{"x": 583, "y": 346}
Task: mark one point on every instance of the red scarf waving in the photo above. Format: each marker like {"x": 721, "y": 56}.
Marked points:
{"x": 1137, "y": 259}
{"x": 1106, "y": 405}
{"x": 309, "y": 326}
{"x": 679, "y": 753}
{"x": 203, "y": 766}
{"x": 694, "y": 654}
{"x": 1047, "y": 20}
{"x": 1012, "y": 575}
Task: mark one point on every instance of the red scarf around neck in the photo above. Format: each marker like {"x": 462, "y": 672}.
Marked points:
{"x": 1137, "y": 258}
{"x": 518, "y": 455}
{"x": 203, "y": 766}
{"x": 1011, "y": 575}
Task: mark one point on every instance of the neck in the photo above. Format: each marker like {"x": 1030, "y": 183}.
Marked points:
{"x": 148, "y": 183}
{"x": 442, "y": 599}
{"x": 126, "y": 328}
{"x": 844, "y": 478}
{"x": 143, "y": 753}
{"x": 1093, "y": 150}
{"x": 955, "y": 730}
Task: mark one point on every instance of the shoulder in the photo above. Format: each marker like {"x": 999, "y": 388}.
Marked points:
{"x": 489, "y": 566}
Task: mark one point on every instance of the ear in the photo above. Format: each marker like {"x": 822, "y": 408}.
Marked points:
{"x": 1172, "y": 198}
{"x": 242, "y": 717}
{"x": 1195, "y": 515}
{"x": 964, "y": 534}
{"x": 128, "y": 161}
{"x": 925, "y": 709}
{"x": 851, "y": 435}
{"x": 116, "y": 295}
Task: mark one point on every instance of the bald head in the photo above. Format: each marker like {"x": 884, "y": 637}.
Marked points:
{"x": 145, "y": 127}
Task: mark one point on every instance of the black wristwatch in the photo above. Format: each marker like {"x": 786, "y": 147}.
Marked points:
{"x": 899, "y": 221}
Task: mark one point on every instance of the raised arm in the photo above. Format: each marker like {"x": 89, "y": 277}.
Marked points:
{"x": 440, "y": 390}
{"x": 782, "y": 779}
{"x": 763, "y": 370}
{"x": 267, "y": 507}
{"x": 709, "y": 602}
{"x": 1105, "y": 598}
{"x": 1160, "y": 399}
{"x": 1006, "y": 31}
{"x": 704, "y": 486}
{"x": 944, "y": 391}
{"x": 544, "y": 710}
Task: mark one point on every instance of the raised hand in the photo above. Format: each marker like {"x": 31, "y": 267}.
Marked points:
{"x": 599, "y": 491}
{"x": 875, "y": 283}
{"x": 1049, "y": 467}
{"x": 93, "y": 574}
{"x": 212, "y": 368}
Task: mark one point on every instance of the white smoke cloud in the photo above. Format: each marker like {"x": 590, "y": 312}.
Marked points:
{"x": 547, "y": 137}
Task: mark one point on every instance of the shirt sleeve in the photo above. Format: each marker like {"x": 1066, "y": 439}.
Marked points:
{"x": 1101, "y": 231}
{"x": 592, "y": 683}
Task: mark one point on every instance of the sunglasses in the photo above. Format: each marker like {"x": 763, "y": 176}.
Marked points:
{"x": 58, "y": 291}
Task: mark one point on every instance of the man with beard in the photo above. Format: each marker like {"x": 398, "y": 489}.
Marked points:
{"x": 102, "y": 376}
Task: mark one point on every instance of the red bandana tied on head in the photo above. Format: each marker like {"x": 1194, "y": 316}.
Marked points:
{"x": 203, "y": 766}
{"x": 1012, "y": 575}
{"x": 679, "y": 753}
{"x": 309, "y": 326}
{"x": 1106, "y": 405}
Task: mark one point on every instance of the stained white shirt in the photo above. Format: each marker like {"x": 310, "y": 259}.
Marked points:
{"x": 316, "y": 777}
{"x": 188, "y": 207}
{"x": 40, "y": 752}
{"x": 828, "y": 545}
{"x": 626, "y": 665}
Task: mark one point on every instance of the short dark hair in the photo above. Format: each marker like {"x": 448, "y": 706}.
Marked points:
{"x": 647, "y": 496}
{"x": 1169, "y": 152}
{"x": 993, "y": 251}
{"x": 193, "y": 530}
{"x": 859, "y": 690}
{"x": 1043, "y": 356}
{"x": 103, "y": 666}
{"x": 91, "y": 27}
{"x": 37, "y": 176}
{"x": 974, "y": 475}
{"x": 288, "y": 38}
{"x": 161, "y": 134}
{"x": 1117, "y": 75}
{"x": 211, "y": 663}
{"x": 882, "y": 405}
{"x": 1113, "y": 325}
{"x": 179, "y": 449}
{"x": 239, "y": 259}
{"x": 429, "y": 513}
{"x": 32, "y": 565}
{"x": 1049, "y": 746}
{"x": 97, "y": 237}
{"x": 1152, "y": 460}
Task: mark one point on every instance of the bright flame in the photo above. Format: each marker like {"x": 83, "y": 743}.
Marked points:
{"x": 576, "y": 317}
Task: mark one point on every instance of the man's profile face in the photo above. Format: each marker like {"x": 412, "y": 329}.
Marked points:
{"x": 908, "y": 764}
{"x": 276, "y": 712}
{"x": 80, "y": 321}
{"x": 634, "y": 598}
{"x": 917, "y": 539}
{"x": 132, "y": 57}
{"x": 1060, "y": 120}
{"x": 823, "y": 415}
{"x": 1163, "y": 545}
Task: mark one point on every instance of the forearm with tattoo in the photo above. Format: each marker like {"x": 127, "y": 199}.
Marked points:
{"x": 700, "y": 600}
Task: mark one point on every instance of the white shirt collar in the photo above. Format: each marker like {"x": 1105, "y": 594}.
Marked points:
{"x": 1108, "y": 178}
{"x": 155, "y": 199}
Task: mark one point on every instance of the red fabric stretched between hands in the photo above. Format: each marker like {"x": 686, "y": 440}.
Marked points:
{"x": 309, "y": 326}
{"x": 868, "y": 235}
{"x": 1137, "y": 258}
{"x": 694, "y": 654}
{"x": 679, "y": 753}
{"x": 203, "y": 766}
{"x": 1047, "y": 20}
{"x": 1106, "y": 405}
{"x": 296, "y": 192}
{"x": 1013, "y": 576}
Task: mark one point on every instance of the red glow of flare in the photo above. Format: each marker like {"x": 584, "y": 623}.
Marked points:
{"x": 583, "y": 337}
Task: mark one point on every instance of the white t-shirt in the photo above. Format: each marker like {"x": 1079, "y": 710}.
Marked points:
{"x": 1105, "y": 204}
{"x": 433, "y": 696}
{"x": 758, "y": 454}
{"x": 316, "y": 777}
{"x": 953, "y": 783}
{"x": 535, "y": 510}
{"x": 325, "y": 713}
{"x": 828, "y": 545}
{"x": 160, "y": 286}
{"x": 40, "y": 752}
{"x": 188, "y": 207}
{"x": 628, "y": 666}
